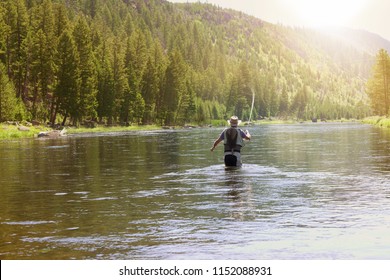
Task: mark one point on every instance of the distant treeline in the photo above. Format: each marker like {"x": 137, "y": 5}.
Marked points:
{"x": 151, "y": 61}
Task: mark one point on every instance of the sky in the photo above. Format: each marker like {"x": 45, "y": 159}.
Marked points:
{"x": 369, "y": 15}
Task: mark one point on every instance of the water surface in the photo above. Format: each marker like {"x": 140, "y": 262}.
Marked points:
{"x": 307, "y": 191}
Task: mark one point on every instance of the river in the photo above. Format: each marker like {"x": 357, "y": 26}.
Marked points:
{"x": 305, "y": 191}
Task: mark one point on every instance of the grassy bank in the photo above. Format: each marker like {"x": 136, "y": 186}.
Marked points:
{"x": 8, "y": 131}
{"x": 378, "y": 121}
{"x": 11, "y": 131}
{"x": 103, "y": 129}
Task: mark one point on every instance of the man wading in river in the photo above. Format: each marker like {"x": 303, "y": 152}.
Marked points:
{"x": 233, "y": 138}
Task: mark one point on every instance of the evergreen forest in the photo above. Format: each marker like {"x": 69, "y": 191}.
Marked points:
{"x": 122, "y": 62}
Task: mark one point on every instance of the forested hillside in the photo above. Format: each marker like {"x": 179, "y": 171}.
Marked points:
{"x": 151, "y": 61}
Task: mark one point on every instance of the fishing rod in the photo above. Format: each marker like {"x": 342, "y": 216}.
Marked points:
{"x": 253, "y": 102}
{"x": 250, "y": 114}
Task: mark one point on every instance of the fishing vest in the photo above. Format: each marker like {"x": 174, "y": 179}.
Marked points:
{"x": 233, "y": 146}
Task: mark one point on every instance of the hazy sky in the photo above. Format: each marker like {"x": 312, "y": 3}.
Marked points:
{"x": 370, "y": 15}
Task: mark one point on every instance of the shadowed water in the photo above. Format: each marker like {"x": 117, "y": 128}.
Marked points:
{"x": 307, "y": 191}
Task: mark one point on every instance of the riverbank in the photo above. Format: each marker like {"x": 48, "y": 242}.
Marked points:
{"x": 377, "y": 121}
{"x": 19, "y": 131}
{"x": 103, "y": 129}
{"x": 25, "y": 130}
{"x": 9, "y": 131}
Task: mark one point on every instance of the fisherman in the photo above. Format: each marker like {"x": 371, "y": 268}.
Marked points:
{"x": 233, "y": 138}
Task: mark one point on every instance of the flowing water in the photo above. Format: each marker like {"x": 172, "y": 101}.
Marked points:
{"x": 306, "y": 191}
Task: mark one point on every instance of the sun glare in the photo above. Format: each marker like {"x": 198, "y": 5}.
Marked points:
{"x": 323, "y": 13}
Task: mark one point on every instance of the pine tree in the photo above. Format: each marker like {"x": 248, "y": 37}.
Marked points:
{"x": 106, "y": 94}
{"x": 87, "y": 102}
{"x": 121, "y": 87}
{"x": 378, "y": 87}
{"x": 149, "y": 90}
{"x": 91, "y": 7}
{"x": 4, "y": 31}
{"x": 244, "y": 89}
{"x": 284, "y": 103}
{"x": 175, "y": 86}
{"x": 300, "y": 102}
{"x": 153, "y": 83}
{"x": 17, "y": 20}
{"x": 8, "y": 98}
{"x": 135, "y": 62}
{"x": 40, "y": 46}
{"x": 37, "y": 45}
{"x": 68, "y": 87}
{"x": 48, "y": 52}
{"x": 232, "y": 98}
{"x": 136, "y": 59}
{"x": 61, "y": 22}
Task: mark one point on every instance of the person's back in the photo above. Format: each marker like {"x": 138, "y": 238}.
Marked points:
{"x": 233, "y": 141}
{"x": 233, "y": 144}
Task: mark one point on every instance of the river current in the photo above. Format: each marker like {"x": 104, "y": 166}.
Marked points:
{"x": 305, "y": 191}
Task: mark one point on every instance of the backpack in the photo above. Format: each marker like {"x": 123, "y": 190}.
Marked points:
{"x": 231, "y": 138}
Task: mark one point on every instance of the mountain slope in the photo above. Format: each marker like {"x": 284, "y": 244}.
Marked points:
{"x": 330, "y": 70}
{"x": 362, "y": 40}
{"x": 152, "y": 61}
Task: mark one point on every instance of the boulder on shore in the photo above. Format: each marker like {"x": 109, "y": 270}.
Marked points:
{"x": 23, "y": 128}
{"x": 53, "y": 133}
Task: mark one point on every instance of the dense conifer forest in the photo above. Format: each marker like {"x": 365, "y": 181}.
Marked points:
{"x": 151, "y": 61}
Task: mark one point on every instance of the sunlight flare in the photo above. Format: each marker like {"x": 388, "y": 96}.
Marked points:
{"x": 322, "y": 13}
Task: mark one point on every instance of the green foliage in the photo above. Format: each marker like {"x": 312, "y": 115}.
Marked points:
{"x": 16, "y": 17}
{"x": 152, "y": 61}
{"x": 12, "y": 131}
{"x": 88, "y": 77}
{"x": 378, "y": 86}
{"x": 175, "y": 88}
{"x": 378, "y": 121}
{"x": 8, "y": 100}
{"x": 4, "y": 30}
{"x": 67, "y": 92}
